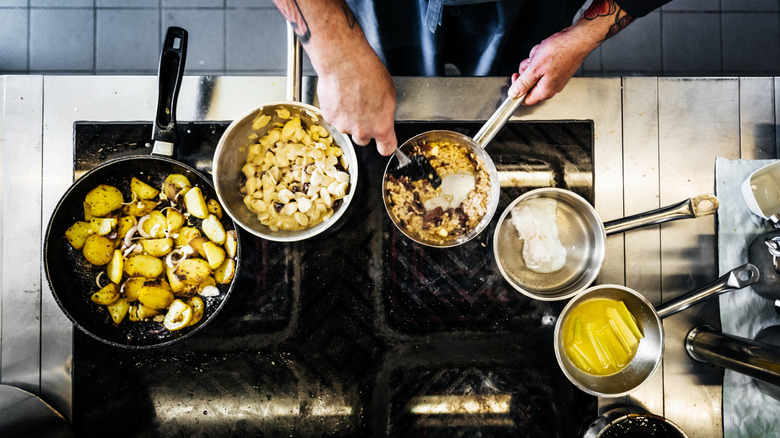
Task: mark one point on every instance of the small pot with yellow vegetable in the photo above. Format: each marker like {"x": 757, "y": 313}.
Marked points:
{"x": 609, "y": 339}
{"x": 281, "y": 171}
{"x": 138, "y": 253}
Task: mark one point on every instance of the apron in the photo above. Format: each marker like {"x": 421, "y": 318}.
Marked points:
{"x": 478, "y": 37}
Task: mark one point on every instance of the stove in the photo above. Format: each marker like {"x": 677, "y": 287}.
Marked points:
{"x": 358, "y": 331}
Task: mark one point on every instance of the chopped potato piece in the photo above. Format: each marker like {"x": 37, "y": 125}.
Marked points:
{"x": 143, "y": 265}
{"x": 175, "y": 183}
{"x": 143, "y": 190}
{"x": 198, "y": 309}
{"x": 225, "y": 272}
{"x": 175, "y": 220}
{"x": 108, "y": 294}
{"x": 118, "y": 310}
{"x": 98, "y": 250}
{"x": 132, "y": 286}
{"x": 185, "y": 235}
{"x": 102, "y": 226}
{"x": 231, "y": 243}
{"x": 213, "y": 229}
{"x": 193, "y": 271}
{"x": 115, "y": 267}
{"x": 104, "y": 200}
{"x": 77, "y": 234}
{"x": 139, "y": 208}
{"x": 155, "y": 294}
{"x": 157, "y": 247}
{"x": 195, "y": 203}
{"x": 215, "y": 255}
{"x": 214, "y": 208}
{"x": 179, "y": 315}
{"x": 154, "y": 225}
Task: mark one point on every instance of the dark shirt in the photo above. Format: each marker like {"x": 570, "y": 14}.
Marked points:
{"x": 478, "y": 37}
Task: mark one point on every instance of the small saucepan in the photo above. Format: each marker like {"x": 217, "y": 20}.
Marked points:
{"x": 232, "y": 149}
{"x": 580, "y": 231}
{"x": 73, "y": 279}
{"x": 648, "y": 318}
{"x": 445, "y": 221}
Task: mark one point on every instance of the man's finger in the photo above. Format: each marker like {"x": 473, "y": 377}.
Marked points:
{"x": 386, "y": 145}
{"x": 360, "y": 141}
{"x": 520, "y": 86}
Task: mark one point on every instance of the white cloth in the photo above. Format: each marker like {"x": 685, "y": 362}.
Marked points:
{"x": 747, "y": 412}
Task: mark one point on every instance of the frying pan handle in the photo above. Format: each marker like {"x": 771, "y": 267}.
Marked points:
{"x": 737, "y": 278}
{"x": 294, "y": 65}
{"x": 498, "y": 120}
{"x": 171, "y": 70}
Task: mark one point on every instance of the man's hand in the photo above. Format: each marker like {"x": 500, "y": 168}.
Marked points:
{"x": 359, "y": 99}
{"x": 553, "y": 62}
{"x": 356, "y": 93}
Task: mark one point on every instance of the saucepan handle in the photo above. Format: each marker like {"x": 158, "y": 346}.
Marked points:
{"x": 697, "y": 206}
{"x": 294, "y": 65}
{"x": 737, "y": 278}
{"x": 498, "y": 120}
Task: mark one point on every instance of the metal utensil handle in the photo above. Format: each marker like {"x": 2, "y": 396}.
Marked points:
{"x": 294, "y": 65}
{"x": 498, "y": 120}
{"x": 752, "y": 358}
{"x": 737, "y": 278}
{"x": 681, "y": 210}
{"x": 170, "y": 73}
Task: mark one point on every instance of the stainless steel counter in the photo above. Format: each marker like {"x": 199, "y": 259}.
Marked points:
{"x": 656, "y": 140}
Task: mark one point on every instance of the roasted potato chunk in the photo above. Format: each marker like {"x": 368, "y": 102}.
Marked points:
{"x": 77, "y": 234}
{"x": 157, "y": 247}
{"x": 214, "y": 208}
{"x": 195, "y": 203}
{"x": 225, "y": 272}
{"x": 108, "y": 294}
{"x": 179, "y": 315}
{"x": 154, "y": 225}
{"x": 143, "y": 265}
{"x": 132, "y": 286}
{"x": 213, "y": 229}
{"x": 115, "y": 267}
{"x": 174, "y": 220}
{"x": 104, "y": 200}
{"x": 215, "y": 255}
{"x": 118, "y": 310}
{"x": 143, "y": 190}
{"x": 139, "y": 208}
{"x": 198, "y": 308}
{"x": 98, "y": 250}
{"x": 155, "y": 294}
{"x": 193, "y": 271}
{"x": 175, "y": 183}
{"x": 102, "y": 226}
{"x": 231, "y": 244}
{"x": 185, "y": 235}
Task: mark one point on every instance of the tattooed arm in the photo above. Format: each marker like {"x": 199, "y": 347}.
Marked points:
{"x": 355, "y": 91}
{"x": 554, "y": 61}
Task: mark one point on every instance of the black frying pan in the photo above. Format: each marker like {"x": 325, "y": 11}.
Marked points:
{"x": 71, "y": 277}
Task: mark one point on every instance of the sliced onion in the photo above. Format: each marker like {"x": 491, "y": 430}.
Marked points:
{"x": 129, "y": 236}
{"x": 135, "y": 198}
{"x": 209, "y": 291}
{"x": 141, "y": 227}
{"x": 154, "y": 230}
{"x": 135, "y": 248}
{"x": 180, "y": 254}
{"x": 99, "y": 276}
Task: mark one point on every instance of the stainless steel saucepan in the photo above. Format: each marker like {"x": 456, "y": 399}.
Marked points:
{"x": 651, "y": 346}
{"x": 475, "y": 146}
{"x": 583, "y": 234}
{"x": 231, "y": 154}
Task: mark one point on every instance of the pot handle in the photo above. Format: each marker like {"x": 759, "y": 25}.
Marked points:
{"x": 497, "y": 120}
{"x": 697, "y": 206}
{"x": 170, "y": 72}
{"x": 737, "y": 278}
{"x": 294, "y": 65}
